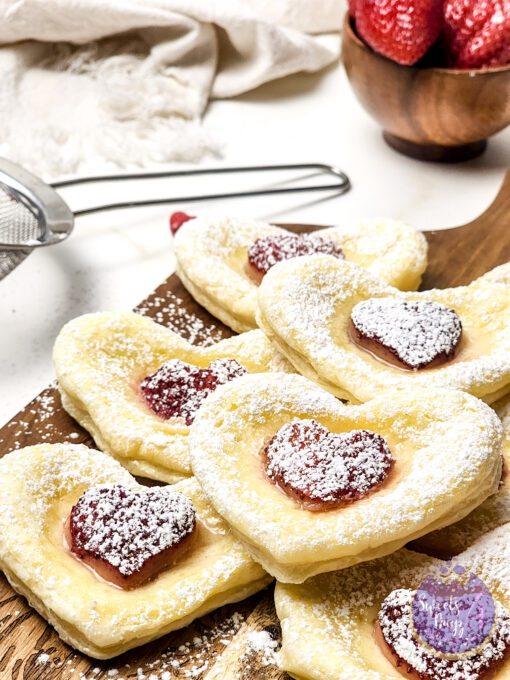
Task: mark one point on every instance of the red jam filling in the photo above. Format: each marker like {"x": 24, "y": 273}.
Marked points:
{"x": 322, "y": 470}
{"x": 266, "y": 251}
{"x": 409, "y": 334}
{"x": 177, "y": 389}
{"x": 128, "y": 537}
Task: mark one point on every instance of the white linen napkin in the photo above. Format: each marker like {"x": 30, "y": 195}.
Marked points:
{"x": 87, "y": 84}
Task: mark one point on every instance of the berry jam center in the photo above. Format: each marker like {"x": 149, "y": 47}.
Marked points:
{"x": 321, "y": 469}
{"x": 403, "y": 644}
{"x": 266, "y": 251}
{"x": 121, "y": 532}
{"x": 413, "y": 335}
{"x": 177, "y": 389}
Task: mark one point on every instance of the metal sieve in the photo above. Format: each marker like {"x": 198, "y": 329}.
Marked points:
{"x": 32, "y": 214}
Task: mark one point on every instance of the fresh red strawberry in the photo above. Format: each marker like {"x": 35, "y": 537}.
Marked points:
{"x": 177, "y": 219}
{"x": 477, "y": 32}
{"x": 353, "y": 8}
{"x": 402, "y": 30}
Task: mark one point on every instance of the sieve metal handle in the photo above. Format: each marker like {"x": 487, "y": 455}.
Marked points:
{"x": 43, "y": 200}
{"x": 340, "y": 186}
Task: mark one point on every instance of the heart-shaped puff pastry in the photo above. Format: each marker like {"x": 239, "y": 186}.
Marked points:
{"x": 492, "y": 513}
{"x": 38, "y": 487}
{"x": 102, "y": 359}
{"x": 211, "y": 255}
{"x": 446, "y": 450}
{"x": 305, "y": 307}
{"x": 328, "y": 622}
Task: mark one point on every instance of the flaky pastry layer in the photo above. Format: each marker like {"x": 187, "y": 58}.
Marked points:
{"x": 446, "y": 445}
{"x": 38, "y": 487}
{"x": 101, "y": 359}
{"x": 305, "y": 306}
{"x": 328, "y": 621}
{"x": 492, "y": 513}
{"x": 211, "y": 254}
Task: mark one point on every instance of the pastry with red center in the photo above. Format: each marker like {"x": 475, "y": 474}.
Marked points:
{"x": 268, "y": 250}
{"x": 128, "y": 537}
{"x": 177, "y": 389}
{"x": 323, "y": 470}
{"x": 412, "y": 334}
{"x": 404, "y": 615}
{"x": 271, "y": 450}
{"x": 398, "y": 635}
{"x": 136, "y": 385}
{"x": 318, "y": 311}
{"x": 222, "y": 260}
{"x": 111, "y": 564}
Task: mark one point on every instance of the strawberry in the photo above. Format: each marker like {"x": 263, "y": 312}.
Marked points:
{"x": 353, "y": 8}
{"x": 402, "y": 30}
{"x": 477, "y": 32}
{"x": 177, "y": 219}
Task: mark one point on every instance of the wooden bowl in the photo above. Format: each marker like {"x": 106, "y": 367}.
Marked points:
{"x": 437, "y": 114}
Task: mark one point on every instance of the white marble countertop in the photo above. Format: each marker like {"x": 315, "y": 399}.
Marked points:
{"x": 113, "y": 260}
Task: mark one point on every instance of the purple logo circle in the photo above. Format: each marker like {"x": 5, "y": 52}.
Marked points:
{"x": 455, "y": 613}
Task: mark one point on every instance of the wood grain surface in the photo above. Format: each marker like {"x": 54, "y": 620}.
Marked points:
{"x": 225, "y": 643}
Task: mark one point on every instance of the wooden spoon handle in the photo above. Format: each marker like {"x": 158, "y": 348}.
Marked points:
{"x": 457, "y": 256}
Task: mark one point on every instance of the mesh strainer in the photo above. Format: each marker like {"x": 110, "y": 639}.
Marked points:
{"x": 32, "y": 214}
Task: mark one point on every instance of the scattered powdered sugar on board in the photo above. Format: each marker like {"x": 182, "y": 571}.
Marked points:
{"x": 168, "y": 310}
{"x": 264, "y": 644}
{"x": 42, "y": 421}
{"x": 191, "y": 654}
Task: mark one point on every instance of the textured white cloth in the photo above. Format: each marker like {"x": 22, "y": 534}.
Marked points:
{"x": 84, "y": 83}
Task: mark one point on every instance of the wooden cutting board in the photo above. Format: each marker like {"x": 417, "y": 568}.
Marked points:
{"x": 237, "y": 641}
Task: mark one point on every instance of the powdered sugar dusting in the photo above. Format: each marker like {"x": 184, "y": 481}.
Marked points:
{"x": 231, "y": 431}
{"x": 396, "y": 627}
{"x": 266, "y": 251}
{"x": 177, "y": 389}
{"x": 418, "y": 331}
{"x": 264, "y": 646}
{"x": 127, "y": 528}
{"x": 211, "y": 254}
{"x": 102, "y": 358}
{"x": 322, "y": 467}
{"x": 305, "y": 305}
{"x": 43, "y": 475}
{"x": 43, "y": 421}
{"x": 170, "y": 311}
{"x": 326, "y": 614}
{"x": 189, "y": 654}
